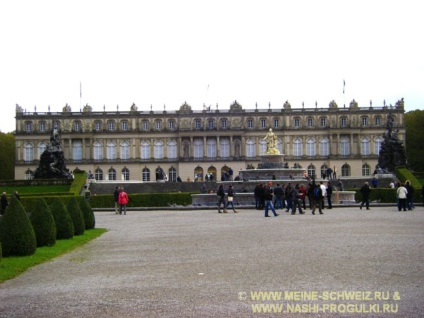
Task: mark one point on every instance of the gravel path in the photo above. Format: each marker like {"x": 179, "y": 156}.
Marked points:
{"x": 205, "y": 264}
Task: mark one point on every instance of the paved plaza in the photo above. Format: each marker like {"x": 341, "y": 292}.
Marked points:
{"x": 345, "y": 263}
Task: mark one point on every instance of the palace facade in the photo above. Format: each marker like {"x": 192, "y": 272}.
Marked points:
{"x": 136, "y": 144}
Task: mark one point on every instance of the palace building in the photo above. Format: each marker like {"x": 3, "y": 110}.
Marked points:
{"x": 192, "y": 145}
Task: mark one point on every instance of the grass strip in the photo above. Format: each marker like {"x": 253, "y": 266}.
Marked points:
{"x": 11, "y": 267}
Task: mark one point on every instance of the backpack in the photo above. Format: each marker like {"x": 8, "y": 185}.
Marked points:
{"x": 317, "y": 192}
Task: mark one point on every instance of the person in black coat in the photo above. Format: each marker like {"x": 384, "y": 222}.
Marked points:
{"x": 4, "y": 203}
{"x": 365, "y": 191}
{"x": 329, "y": 193}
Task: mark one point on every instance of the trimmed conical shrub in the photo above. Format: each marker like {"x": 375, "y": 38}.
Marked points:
{"x": 43, "y": 223}
{"x": 62, "y": 219}
{"x": 17, "y": 235}
{"x": 76, "y": 216}
{"x": 87, "y": 212}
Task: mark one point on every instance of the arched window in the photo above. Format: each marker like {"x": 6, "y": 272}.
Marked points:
{"x": 297, "y": 147}
{"x": 172, "y": 149}
{"x": 41, "y": 148}
{"x": 125, "y": 150}
{"x": 158, "y": 149}
{"x": 311, "y": 171}
{"x": 323, "y": 170}
{"x": 198, "y": 174}
{"x": 145, "y": 174}
{"x": 262, "y": 147}
{"x": 344, "y": 146}
{"x": 366, "y": 170}
{"x": 198, "y": 148}
{"x": 77, "y": 150}
{"x": 212, "y": 174}
{"x": 365, "y": 147}
{"x": 324, "y": 147}
{"x": 345, "y": 170}
{"x": 98, "y": 174}
{"x": 377, "y": 145}
{"x": 211, "y": 148}
{"x": 310, "y": 147}
{"x": 97, "y": 151}
{"x": 125, "y": 174}
{"x": 172, "y": 174}
{"x": 250, "y": 148}
{"x": 29, "y": 175}
{"x": 145, "y": 150}
{"x": 112, "y": 174}
{"x": 28, "y": 152}
{"x": 111, "y": 151}
{"x": 225, "y": 148}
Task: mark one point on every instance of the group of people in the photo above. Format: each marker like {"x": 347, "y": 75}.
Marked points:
{"x": 4, "y": 202}
{"x": 121, "y": 200}
{"x": 221, "y": 199}
{"x": 405, "y": 196}
{"x": 293, "y": 198}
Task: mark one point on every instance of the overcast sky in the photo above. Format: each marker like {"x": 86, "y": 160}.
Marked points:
{"x": 163, "y": 53}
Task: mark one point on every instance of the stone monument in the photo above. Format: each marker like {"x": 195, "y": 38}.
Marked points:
{"x": 392, "y": 151}
{"x": 52, "y": 162}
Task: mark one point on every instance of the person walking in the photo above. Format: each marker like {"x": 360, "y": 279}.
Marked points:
{"x": 324, "y": 193}
{"x": 230, "y": 198}
{"x": 302, "y": 195}
{"x": 402, "y": 195}
{"x": 4, "y": 203}
{"x": 221, "y": 199}
{"x": 329, "y": 193}
{"x": 317, "y": 198}
{"x": 278, "y": 197}
{"x": 365, "y": 191}
{"x": 409, "y": 195}
{"x": 123, "y": 201}
{"x": 269, "y": 192}
{"x": 296, "y": 202}
{"x": 288, "y": 196}
{"x": 116, "y": 198}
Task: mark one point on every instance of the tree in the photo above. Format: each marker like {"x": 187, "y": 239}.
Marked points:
{"x": 415, "y": 139}
{"x": 87, "y": 211}
{"x": 17, "y": 235}
{"x": 7, "y": 156}
{"x": 76, "y": 216}
{"x": 62, "y": 219}
{"x": 43, "y": 223}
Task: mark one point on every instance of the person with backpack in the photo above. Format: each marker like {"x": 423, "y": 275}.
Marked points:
{"x": 123, "y": 201}
{"x": 317, "y": 198}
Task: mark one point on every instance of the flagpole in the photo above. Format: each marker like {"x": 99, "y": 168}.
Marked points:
{"x": 80, "y": 95}
{"x": 344, "y": 101}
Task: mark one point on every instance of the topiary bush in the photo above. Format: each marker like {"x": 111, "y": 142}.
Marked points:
{"x": 87, "y": 212}
{"x": 62, "y": 219}
{"x": 43, "y": 223}
{"x": 74, "y": 211}
{"x": 17, "y": 235}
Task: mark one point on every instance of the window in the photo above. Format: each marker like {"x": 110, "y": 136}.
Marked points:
{"x": 111, "y": 151}
{"x": 364, "y": 121}
{"x": 98, "y": 174}
{"x": 345, "y": 170}
{"x": 97, "y": 151}
{"x": 211, "y": 148}
{"x": 344, "y": 146}
{"x": 171, "y": 124}
{"x": 172, "y": 174}
{"x": 262, "y": 147}
{"x": 365, "y": 147}
{"x": 172, "y": 149}
{"x": 225, "y": 148}
{"x": 311, "y": 171}
{"x": 28, "y": 126}
{"x": 198, "y": 148}
{"x": 77, "y": 150}
{"x": 29, "y": 175}
{"x": 378, "y": 121}
{"x": 125, "y": 174}
{"x": 28, "y": 152}
{"x": 297, "y": 147}
{"x": 158, "y": 125}
{"x": 98, "y": 125}
{"x": 276, "y": 123}
{"x": 112, "y": 174}
{"x": 125, "y": 150}
{"x": 145, "y": 175}
{"x": 211, "y": 124}
{"x": 111, "y": 125}
{"x": 324, "y": 147}
{"x": 323, "y": 122}
{"x": 263, "y": 123}
{"x": 145, "y": 125}
{"x": 197, "y": 124}
{"x": 250, "y": 148}
{"x": 310, "y": 122}
{"x": 145, "y": 150}
{"x": 250, "y": 123}
{"x": 77, "y": 125}
{"x": 124, "y": 125}
{"x": 343, "y": 121}
{"x": 366, "y": 170}
{"x": 280, "y": 145}
{"x": 310, "y": 147}
{"x": 158, "y": 149}
{"x": 297, "y": 122}
{"x": 377, "y": 145}
{"x": 42, "y": 146}
{"x": 42, "y": 126}
{"x": 224, "y": 123}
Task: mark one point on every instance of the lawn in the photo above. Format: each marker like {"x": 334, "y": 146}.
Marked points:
{"x": 27, "y": 190}
{"x": 11, "y": 267}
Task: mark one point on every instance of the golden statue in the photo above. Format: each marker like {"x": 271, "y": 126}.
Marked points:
{"x": 271, "y": 140}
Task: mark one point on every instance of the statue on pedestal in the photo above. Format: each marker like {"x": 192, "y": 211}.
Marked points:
{"x": 271, "y": 140}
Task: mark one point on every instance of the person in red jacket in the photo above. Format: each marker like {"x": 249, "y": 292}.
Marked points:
{"x": 122, "y": 201}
